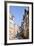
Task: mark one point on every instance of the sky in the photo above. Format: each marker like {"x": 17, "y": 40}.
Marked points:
{"x": 17, "y": 12}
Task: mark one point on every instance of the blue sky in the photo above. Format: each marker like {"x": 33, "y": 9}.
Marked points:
{"x": 17, "y": 12}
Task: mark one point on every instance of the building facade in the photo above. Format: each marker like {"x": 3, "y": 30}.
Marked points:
{"x": 13, "y": 28}
{"x": 25, "y": 25}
